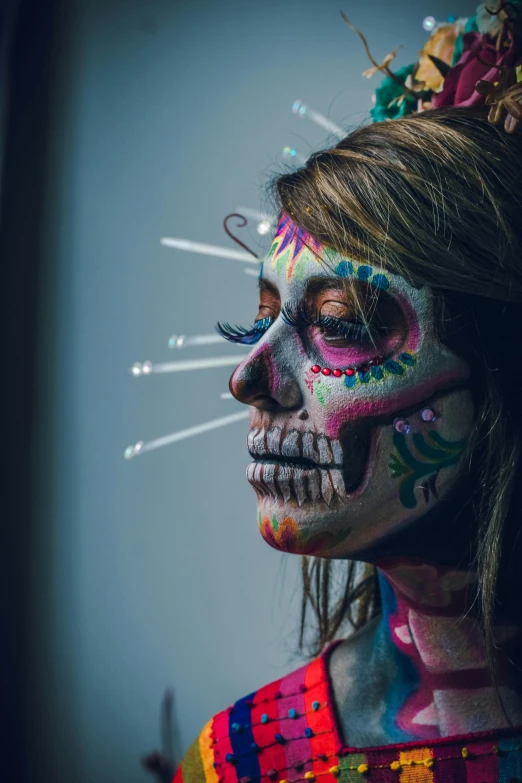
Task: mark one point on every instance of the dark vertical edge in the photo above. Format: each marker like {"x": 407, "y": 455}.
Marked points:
{"x": 25, "y": 129}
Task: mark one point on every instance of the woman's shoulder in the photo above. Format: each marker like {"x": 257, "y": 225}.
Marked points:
{"x": 286, "y": 732}
{"x": 269, "y": 734}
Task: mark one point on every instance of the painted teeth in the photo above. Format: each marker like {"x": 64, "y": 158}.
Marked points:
{"x": 251, "y": 473}
{"x": 299, "y": 487}
{"x": 282, "y": 482}
{"x": 326, "y": 487}
{"x": 283, "y": 477}
{"x": 258, "y": 443}
{"x": 338, "y": 484}
{"x": 309, "y": 450}
{"x": 257, "y": 483}
{"x": 269, "y": 479}
{"x": 314, "y": 485}
{"x": 290, "y": 447}
{"x": 251, "y": 436}
{"x": 273, "y": 442}
{"x": 325, "y": 452}
{"x": 305, "y": 484}
{"x": 337, "y": 452}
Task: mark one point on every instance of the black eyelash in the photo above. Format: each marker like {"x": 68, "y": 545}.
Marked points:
{"x": 351, "y": 330}
{"x": 300, "y": 317}
{"x": 297, "y": 315}
{"x": 238, "y": 334}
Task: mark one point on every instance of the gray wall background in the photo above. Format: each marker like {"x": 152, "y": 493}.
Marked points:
{"x": 165, "y": 116}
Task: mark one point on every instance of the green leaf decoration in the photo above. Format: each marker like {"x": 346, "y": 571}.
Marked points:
{"x": 426, "y": 450}
{"x": 300, "y": 267}
{"x": 283, "y": 260}
{"x": 448, "y": 445}
{"x": 397, "y": 467}
{"x": 404, "y": 463}
{"x": 322, "y": 391}
{"x": 391, "y": 99}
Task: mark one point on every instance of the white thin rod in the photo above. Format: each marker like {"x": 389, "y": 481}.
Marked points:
{"x": 255, "y": 214}
{"x": 303, "y": 110}
{"x": 185, "y": 365}
{"x": 325, "y": 123}
{"x": 179, "y": 341}
{"x": 226, "y": 396}
{"x": 191, "y": 432}
{"x": 209, "y": 250}
{"x": 254, "y": 272}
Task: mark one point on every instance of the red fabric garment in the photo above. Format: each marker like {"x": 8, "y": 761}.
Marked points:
{"x": 287, "y": 732}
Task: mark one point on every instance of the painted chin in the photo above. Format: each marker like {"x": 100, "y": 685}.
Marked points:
{"x": 286, "y": 535}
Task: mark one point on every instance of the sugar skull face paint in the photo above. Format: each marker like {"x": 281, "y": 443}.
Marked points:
{"x": 360, "y": 414}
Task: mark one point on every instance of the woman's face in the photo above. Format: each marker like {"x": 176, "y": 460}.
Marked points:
{"x": 359, "y": 414}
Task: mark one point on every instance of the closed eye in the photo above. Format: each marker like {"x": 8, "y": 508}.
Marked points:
{"x": 334, "y": 329}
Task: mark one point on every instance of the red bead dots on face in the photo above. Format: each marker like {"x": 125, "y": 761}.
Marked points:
{"x": 375, "y": 369}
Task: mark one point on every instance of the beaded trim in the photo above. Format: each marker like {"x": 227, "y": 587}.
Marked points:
{"x": 396, "y": 766}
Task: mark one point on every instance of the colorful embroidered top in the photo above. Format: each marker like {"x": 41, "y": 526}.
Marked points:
{"x": 287, "y": 732}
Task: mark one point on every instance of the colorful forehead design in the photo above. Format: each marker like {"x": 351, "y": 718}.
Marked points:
{"x": 293, "y": 248}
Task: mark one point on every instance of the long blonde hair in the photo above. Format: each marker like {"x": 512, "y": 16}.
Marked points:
{"x": 437, "y": 198}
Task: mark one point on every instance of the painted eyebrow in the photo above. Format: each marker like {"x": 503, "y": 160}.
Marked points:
{"x": 316, "y": 285}
{"x": 266, "y": 285}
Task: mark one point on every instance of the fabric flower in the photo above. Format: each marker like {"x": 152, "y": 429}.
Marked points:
{"x": 459, "y": 84}
{"x": 441, "y": 45}
{"x": 392, "y": 98}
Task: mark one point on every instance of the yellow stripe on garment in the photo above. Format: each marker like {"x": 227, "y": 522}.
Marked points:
{"x": 207, "y": 754}
{"x": 419, "y": 771}
{"x": 191, "y": 765}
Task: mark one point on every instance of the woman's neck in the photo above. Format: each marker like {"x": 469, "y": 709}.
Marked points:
{"x": 420, "y": 671}
{"x": 429, "y": 627}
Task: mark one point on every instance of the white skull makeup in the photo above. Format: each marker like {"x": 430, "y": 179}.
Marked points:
{"x": 360, "y": 415}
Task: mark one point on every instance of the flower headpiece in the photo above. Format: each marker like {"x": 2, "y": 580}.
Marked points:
{"x": 465, "y": 62}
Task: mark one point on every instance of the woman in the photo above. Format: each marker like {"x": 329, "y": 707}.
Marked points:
{"x": 385, "y": 391}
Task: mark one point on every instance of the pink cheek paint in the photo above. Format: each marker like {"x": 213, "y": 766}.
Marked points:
{"x": 347, "y": 356}
{"x": 413, "y": 340}
{"x": 386, "y": 404}
{"x": 354, "y": 355}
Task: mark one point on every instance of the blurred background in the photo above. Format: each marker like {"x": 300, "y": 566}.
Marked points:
{"x": 124, "y": 121}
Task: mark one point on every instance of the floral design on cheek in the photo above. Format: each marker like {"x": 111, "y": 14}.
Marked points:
{"x": 435, "y": 452}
